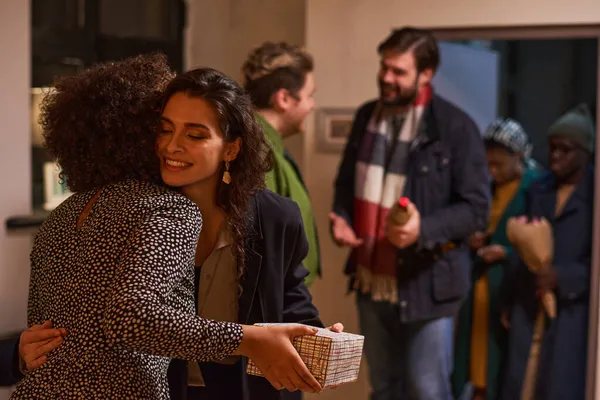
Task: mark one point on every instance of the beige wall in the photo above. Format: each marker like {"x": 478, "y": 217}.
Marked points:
{"x": 342, "y": 36}
{"x": 15, "y": 162}
{"x": 220, "y": 33}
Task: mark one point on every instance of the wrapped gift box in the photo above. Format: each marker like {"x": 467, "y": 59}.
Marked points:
{"x": 332, "y": 358}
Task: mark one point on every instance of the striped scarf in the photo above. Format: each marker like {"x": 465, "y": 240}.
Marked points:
{"x": 380, "y": 178}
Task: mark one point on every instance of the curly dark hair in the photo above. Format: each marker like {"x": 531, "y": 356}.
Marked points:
{"x": 237, "y": 120}
{"x": 101, "y": 124}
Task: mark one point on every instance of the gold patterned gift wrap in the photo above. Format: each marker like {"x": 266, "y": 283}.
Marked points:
{"x": 332, "y": 358}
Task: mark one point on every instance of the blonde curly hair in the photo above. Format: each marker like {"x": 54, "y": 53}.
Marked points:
{"x": 274, "y": 66}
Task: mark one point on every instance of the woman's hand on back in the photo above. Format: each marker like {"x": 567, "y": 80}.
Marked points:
{"x": 272, "y": 351}
{"x": 36, "y": 342}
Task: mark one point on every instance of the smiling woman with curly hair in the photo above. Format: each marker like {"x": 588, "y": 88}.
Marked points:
{"x": 113, "y": 264}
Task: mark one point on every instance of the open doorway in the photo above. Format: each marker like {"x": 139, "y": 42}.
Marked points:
{"x": 534, "y": 75}
{"x": 533, "y": 81}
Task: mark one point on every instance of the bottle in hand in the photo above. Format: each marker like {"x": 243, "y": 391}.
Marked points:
{"x": 401, "y": 212}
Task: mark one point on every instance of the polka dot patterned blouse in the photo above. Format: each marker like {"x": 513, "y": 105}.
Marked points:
{"x": 122, "y": 284}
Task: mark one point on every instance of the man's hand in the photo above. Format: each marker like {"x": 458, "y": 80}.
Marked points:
{"x": 492, "y": 253}
{"x": 405, "y": 235}
{"x": 546, "y": 280}
{"x": 477, "y": 240}
{"x": 343, "y": 234}
{"x": 505, "y": 319}
{"x": 36, "y": 342}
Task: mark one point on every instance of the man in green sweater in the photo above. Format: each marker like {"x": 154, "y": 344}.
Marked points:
{"x": 279, "y": 79}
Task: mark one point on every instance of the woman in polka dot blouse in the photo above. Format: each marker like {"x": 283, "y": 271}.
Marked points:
{"x": 113, "y": 264}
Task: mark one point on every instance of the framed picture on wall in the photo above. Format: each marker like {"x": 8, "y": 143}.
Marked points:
{"x": 333, "y": 126}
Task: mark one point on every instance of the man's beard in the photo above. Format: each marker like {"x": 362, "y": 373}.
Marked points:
{"x": 404, "y": 97}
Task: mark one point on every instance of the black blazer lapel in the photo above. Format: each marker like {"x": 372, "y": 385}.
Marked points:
{"x": 547, "y": 203}
{"x": 252, "y": 264}
{"x": 584, "y": 192}
{"x": 580, "y": 197}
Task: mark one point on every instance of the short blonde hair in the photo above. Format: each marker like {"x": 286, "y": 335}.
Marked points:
{"x": 274, "y": 66}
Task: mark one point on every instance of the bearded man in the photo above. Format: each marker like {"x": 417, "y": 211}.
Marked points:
{"x": 410, "y": 280}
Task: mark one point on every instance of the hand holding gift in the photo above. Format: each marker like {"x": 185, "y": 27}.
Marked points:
{"x": 332, "y": 356}
{"x": 534, "y": 244}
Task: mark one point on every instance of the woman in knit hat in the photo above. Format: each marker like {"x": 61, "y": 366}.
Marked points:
{"x": 481, "y": 338}
{"x": 565, "y": 197}
{"x": 573, "y": 131}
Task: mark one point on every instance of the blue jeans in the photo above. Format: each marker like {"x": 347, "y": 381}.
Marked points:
{"x": 406, "y": 361}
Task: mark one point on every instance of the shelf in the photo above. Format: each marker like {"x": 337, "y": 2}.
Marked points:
{"x": 20, "y": 223}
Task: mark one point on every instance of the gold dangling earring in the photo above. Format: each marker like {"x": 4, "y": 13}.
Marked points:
{"x": 226, "y": 174}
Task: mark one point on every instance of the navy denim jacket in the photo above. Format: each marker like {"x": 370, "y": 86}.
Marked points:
{"x": 448, "y": 182}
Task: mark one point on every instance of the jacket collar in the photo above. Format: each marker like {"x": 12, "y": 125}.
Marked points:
{"x": 428, "y": 130}
{"x": 584, "y": 191}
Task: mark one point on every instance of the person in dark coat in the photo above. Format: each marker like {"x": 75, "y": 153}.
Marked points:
{"x": 410, "y": 280}
{"x": 565, "y": 197}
